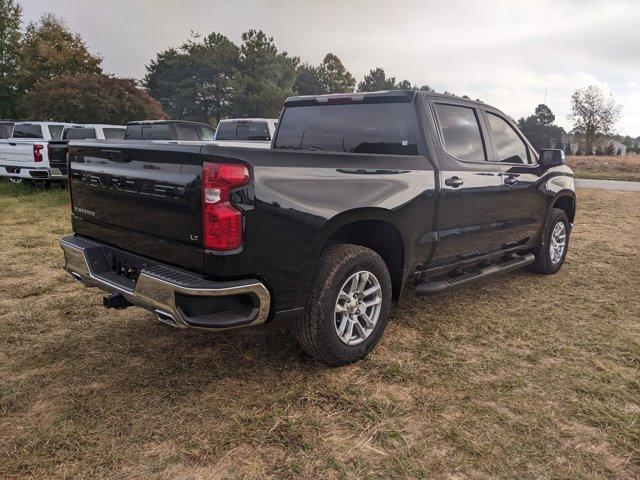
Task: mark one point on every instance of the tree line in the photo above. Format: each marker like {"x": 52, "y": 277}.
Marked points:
{"x": 47, "y": 72}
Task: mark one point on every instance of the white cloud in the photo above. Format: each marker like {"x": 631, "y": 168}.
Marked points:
{"x": 504, "y": 52}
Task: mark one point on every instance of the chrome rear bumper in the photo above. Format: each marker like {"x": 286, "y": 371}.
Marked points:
{"x": 167, "y": 291}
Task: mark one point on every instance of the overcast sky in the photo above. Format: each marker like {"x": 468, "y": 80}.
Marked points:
{"x": 507, "y": 53}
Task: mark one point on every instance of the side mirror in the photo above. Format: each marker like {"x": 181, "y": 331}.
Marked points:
{"x": 551, "y": 157}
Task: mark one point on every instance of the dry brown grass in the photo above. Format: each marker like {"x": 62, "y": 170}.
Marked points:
{"x": 608, "y": 168}
{"x": 524, "y": 376}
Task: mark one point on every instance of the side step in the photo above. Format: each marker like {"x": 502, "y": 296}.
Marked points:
{"x": 437, "y": 287}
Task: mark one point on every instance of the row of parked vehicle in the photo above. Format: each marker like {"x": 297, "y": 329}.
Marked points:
{"x": 37, "y": 151}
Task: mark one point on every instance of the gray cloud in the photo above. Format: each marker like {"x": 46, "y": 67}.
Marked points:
{"x": 506, "y": 53}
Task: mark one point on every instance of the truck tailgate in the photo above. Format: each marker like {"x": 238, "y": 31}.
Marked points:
{"x": 143, "y": 201}
{"x": 18, "y": 151}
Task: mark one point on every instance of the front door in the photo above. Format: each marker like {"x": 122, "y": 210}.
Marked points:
{"x": 523, "y": 204}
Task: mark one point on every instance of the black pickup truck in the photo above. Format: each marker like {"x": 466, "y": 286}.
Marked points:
{"x": 360, "y": 195}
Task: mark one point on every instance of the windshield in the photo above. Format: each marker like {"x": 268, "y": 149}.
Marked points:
{"x": 381, "y": 128}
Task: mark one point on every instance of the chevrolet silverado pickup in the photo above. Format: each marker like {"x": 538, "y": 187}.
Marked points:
{"x": 361, "y": 195}
{"x": 25, "y": 156}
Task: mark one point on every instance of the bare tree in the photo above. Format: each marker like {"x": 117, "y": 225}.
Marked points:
{"x": 593, "y": 113}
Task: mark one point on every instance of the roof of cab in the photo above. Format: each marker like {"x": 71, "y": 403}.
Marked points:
{"x": 383, "y": 96}
{"x": 248, "y": 120}
{"x": 152, "y": 122}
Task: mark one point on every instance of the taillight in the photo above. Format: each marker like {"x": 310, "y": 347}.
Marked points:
{"x": 37, "y": 152}
{"x": 221, "y": 221}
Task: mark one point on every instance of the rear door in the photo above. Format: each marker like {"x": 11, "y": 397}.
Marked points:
{"x": 523, "y": 205}
{"x": 468, "y": 217}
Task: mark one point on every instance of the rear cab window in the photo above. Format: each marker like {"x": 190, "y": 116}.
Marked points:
{"x": 155, "y": 131}
{"x": 374, "y": 128}
{"x": 252, "y": 131}
{"x": 79, "y": 133}
{"x": 113, "y": 133}
{"x": 459, "y": 129}
{"x": 27, "y": 130}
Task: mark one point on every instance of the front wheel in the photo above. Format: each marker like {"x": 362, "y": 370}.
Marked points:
{"x": 347, "y": 306}
{"x": 553, "y": 243}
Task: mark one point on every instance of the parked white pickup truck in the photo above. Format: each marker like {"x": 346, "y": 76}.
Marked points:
{"x": 246, "y": 132}
{"x": 25, "y": 156}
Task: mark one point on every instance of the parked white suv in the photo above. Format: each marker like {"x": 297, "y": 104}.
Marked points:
{"x": 246, "y": 132}
{"x": 25, "y": 156}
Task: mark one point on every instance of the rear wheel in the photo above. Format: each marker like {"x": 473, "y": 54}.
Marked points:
{"x": 553, "y": 244}
{"x": 347, "y": 306}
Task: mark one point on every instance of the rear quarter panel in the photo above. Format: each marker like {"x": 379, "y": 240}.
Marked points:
{"x": 298, "y": 199}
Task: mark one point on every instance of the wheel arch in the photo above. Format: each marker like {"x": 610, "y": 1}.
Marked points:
{"x": 374, "y": 229}
{"x": 565, "y": 201}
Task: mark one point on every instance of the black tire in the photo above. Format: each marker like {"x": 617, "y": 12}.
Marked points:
{"x": 544, "y": 263}
{"x": 315, "y": 330}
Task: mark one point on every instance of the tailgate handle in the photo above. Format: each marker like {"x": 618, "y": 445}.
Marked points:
{"x": 116, "y": 155}
{"x": 13, "y": 144}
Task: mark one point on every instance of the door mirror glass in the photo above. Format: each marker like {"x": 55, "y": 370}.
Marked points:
{"x": 551, "y": 157}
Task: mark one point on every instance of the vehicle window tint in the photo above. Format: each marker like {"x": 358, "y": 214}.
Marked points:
{"x": 187, "y": 132}
{"x": 79, "y": 133}
{"x": 206, "y": 133}
{"x": 27, "y": 131}
{"x": 56, "y": 131}
{"x": 5, "y": 130}
{"x": 160, "y": 131}
{"x": 460, "y": 132}
{"x": 378, "y": 128}
{"x": 257, "y": 131}
{"x": 133, "y": 132}
{"x": 113, "y": 133}
{"x": 510, "y": 147}
{"x": 226, "y": 131}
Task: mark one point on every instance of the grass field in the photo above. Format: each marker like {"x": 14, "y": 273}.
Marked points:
{"x": 607, "y": 168}
{"x": 524, "y": 376}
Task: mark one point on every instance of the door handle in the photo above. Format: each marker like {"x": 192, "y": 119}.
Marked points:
{"x": 454, "y": 182}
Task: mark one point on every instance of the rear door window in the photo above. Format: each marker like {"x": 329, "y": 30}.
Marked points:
{"x": 79, "y": 133}
{"x": 509, "y": 146}
{"x": 26, "y": 130}
{"x": 375, "y": 128}
{"x": 56, "y": 131}
{"x": 460, "y": 132}
{"x": 113, "y": 133}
